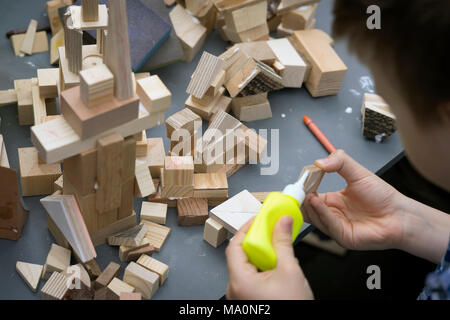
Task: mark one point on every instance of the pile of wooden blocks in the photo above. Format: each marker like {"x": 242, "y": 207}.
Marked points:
{"x": 377, "y": 118}
{"x": 74, "y": 282}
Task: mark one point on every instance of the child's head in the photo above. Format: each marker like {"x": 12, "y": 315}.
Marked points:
{"x": 410, "y": 60}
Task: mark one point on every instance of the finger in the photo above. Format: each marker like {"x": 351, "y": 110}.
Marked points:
{"x": 282, "y": 240}
{"x": 237, "y": 260}
{"x": 346, "y": 166}
{"x": 324, "y": 218}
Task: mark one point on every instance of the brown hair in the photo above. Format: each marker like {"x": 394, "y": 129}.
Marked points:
{"x": 414, "y": 37}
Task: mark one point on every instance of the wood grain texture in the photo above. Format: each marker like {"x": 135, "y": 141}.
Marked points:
{"x": 81, "y": 171}
{"x": 143, "y": 180}
{"x": 130, "y": 296}
{"x": 55, "y": 288}
{"x": 314, "y": 178}
{"x": 133, "y": 255}
{"x": 30, "y": 273}
{"x": 109, "y": 172}
{"x": 206, "y": 70}
{"x": 155, "y": 156}
{"x": 156, "y": 266}
{"x": 192, "y": 211}
{"x": 124, "y": 250}
{"x": 183, "y": 119}
{"x": 144, "y": 280}
{"x": 58, "y": 259}
{"x": 118, "y": 287}
{"x": 210, "y": 185}
{"x": 154, "y": 94}
{"x": 378, "y": 120}
{"x": 100, "y": 236}
{"x": 155, "y": 212}
{"x": 214, "y": 233}
{"x": 40, "y": 42}
{"x": 130, "y": 237}
{"x": 110, "y": 272}
{"x": 156, "y": 234}
{"x": 28, "y": 41}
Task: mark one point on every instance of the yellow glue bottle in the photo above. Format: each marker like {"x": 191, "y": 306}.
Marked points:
{"x": 257, "y": 243}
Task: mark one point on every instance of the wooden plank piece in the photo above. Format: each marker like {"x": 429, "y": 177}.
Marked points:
{"x": 28, "y": 41}
{"x": 130, "y": 237}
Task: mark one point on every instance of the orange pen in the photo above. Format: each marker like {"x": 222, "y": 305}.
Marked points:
{"x": 319, "y": 135}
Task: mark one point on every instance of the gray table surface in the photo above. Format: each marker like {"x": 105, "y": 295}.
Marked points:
{"x": 197, "y": 270}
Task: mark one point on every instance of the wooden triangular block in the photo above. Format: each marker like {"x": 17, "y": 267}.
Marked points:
{"x": 236, "y": 211}
{"x": 65, "y": 213}
{"x": 30, "y": 273}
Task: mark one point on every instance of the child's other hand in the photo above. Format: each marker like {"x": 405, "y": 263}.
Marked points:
{"x": 286, "y": 281}
{"x": 365, "y": 215}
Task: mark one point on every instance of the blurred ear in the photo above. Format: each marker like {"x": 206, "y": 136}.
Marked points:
{"x": 443, "y": 112}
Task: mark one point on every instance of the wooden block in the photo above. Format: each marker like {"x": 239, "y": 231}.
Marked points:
{"x": 96, "y": 85}
{"x": 80, "y": 23}
{"x": 40, "y": 42}
{"x": 24, "y": 101}
{"x": 183, "y": 119}
{"x": 53, "y": 15}
{"x": 378, "y": 120}
{"x": 141, "y": 144}
{"x": 246, "y": 110}
{"x": 214, "y": 233}
{"x": 153, "y": 94}
{"x": 328, "y": 70}
{"x": 255, "y": 145}
{"x": 247, "y": 17}
{"x": 210, "y": 185}
{"x": 129, "y": 158}
{"x": 206, "y": 70}
{"x": 58, "y": 259}
{"x": 175, "y": 191}
{"x": 118, "y": 47}
{"x": 156, "y": 234}
{"x": 56, "y": 233}
{"x": 287, "y": 5}
{"x": 155, "y": 266}
{"x": 7, "y": 97}
{"x": 130, "y": 237}
{"x": 110, "y": 272}
{"x": 134, "y": 254}
{"x": 30, "y": 273}
{"x": 28, "y": 41}
{"x": 55, "y": 288}
{"x": 143, "y": 180}
{"x": 192, "y": 211}
{"x": 234, "y": 59}
{"x": 127, "y": 199}
{"x": 257, "y": 33}
{"x": 65, "y": 213}
{"x": 100, "y": 236}
{"x": 236, "y": 211}
{"x": 81, "y": 171}
{"x": 155, "y": 212}
{"x": 314, "y": 178}
{"x": 192, "y": 35}
{"x": 106, "y": 218}
{"x": 130, "y": 296}
{"x": 118, "y": 287}
{"x": 47, "y": 79}
{"x": 35, "y": 178}
{"x": 179, "y": 171}
{"x": 255, "y": 77}
{"x": 158, "y": 198}
{"x": 217, "y": 82}
{"x": 109, "y": 167}
{"x": 258, "y": 50}
{"x": 89, "y": 10}
{"x": 124, "y": 250}
{"x": 39, "y": 108}
{"x": 56, "y": 140}
{"x": 93, "y": 269}
{"x": 155, "y": 156}
{"x": 220, "y": 102}
{"x": 299, "y": 18}
{"x": 88, "y": 122}
{"x": 145, "y": 281}
{"x": 294, "y": 69}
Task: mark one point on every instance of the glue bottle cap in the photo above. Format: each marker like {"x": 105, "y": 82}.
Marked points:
{"x": 296, "y": 190}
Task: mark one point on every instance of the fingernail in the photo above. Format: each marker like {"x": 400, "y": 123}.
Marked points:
{"x": 286, "y": 223}
{"x": 323, "y": 162}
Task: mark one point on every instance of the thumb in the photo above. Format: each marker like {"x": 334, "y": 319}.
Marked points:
{"x": 343, "y": 164}
{"x": 282, "y": 239}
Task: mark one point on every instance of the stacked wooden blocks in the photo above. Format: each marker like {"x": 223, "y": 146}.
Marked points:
{"x": 177, "y": 177}
{"x": 206, "y": 91}
{"x": 244, "y": 20}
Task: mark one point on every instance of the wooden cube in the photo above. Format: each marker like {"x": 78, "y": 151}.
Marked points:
{"x": 183, "y": 119}
{"x": 210, "y": 185}
{"x": 142, "y": 279}
{"x": 58, "y": 259}
{"x": 214, "y": 233}
{"x": 81, "y": 171}
{"x": 141, "y": 144}
{"x": 155, "y": 212}
{"x": 24, "y": 101}
{"x": 192, "y": 211}
{"x": 156, "y": 234}
{"x": 96, "y": 85}
{"x": 179, "y": 171}
{"x": 47, "y": 82}
{"x": 110, "y": 272}
{"x": 155, "y": 156}
{"x": 36, "y": 179}
{"x": 117, "y": 287}
{"x": 153, "y": 94}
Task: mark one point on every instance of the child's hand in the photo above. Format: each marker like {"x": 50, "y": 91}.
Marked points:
{"x": 286, "y": 281}
{"x": 365, "y": 215}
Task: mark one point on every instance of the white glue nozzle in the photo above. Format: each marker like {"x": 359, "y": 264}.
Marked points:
{"x": 296, "y": 190}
